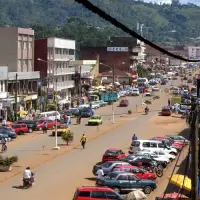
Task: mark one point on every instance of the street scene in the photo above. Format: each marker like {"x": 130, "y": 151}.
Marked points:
{"x": 89, "y": 113}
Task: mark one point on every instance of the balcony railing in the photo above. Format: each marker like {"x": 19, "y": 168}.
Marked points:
{"x": 68, "y": 70}
{"x": 63, "y": 57}
{"x": 62, "y": 85}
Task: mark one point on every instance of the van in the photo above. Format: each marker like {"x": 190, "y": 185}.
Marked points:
{"x": 140, "y": 145}
{"x": 51, "y": 115}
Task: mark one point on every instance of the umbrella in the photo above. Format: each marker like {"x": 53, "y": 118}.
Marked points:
{"x": 181, "y": 181}
{"x": 136, "y": 195}
{"x": 22, "y": 112}
{"x": 172, "y": 196}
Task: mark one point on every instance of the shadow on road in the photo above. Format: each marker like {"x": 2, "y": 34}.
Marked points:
{"x": 91, "y": 179}
{"x": 20, "y": 187}
{"x": 185, "y": 133}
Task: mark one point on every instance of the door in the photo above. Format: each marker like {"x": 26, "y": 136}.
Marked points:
{"x": 134, "y": 182}
{"x": 137, "y": 172}
{"x": 112, "y": 195}
{"x": 123, "y": 182}
{"x": 98, "y": 195}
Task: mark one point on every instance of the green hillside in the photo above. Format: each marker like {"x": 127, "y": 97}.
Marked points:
{"x": 66, "y": 18}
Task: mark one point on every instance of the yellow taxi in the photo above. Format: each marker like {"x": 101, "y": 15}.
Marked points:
{"x": 61, "y": 128}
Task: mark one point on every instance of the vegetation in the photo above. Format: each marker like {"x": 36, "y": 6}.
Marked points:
{"x": 8, "y": 161}
{"x": 68, "y": 137}
{"x": 129, "y": 112}
{"x": 156, "y": 97}
{"x": 147, "y": 102}
{"x": 68, "y": 19}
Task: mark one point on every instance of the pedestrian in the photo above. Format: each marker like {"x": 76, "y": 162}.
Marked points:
{"x": 100, "y": 173}
{"x": 4, "y": 122}
{"x": 83, "y": 141}
{"x": 169, "y": 102}
{"x": 45, "y": 127}
{"x": 134, "y": 137}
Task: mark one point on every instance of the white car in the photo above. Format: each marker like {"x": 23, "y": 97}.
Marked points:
{"x": 155, "y": 88}
{"x": 135, "y": 92}
{"x": 94, "y": 105}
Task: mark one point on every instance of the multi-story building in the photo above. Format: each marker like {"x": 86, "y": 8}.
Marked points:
{"x": 52, "y": 57}
{"x": 193, "y": 52}
{"x": 17, "y": 57}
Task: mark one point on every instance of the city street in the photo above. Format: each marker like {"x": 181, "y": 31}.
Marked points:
{"x": 58, "y": 179}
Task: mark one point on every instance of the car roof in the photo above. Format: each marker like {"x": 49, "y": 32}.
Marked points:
{"x": 126, "y": 166}
{"x": 122, "y": 173}
{"x": 113, "y": 149}
{"x": 94, "y": 188}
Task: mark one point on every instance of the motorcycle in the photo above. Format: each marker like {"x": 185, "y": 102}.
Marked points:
{"x": 28, "y": 183}
{"x": 154, "y": 169}
{"x": 4, "y": 148}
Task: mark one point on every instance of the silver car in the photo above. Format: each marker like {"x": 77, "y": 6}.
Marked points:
{"x": 108, "y": 166}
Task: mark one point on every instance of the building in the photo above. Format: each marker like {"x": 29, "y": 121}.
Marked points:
{"x": 121, "y": 54}
{"x": 193, "y": 52}
{"x": 17, "y": 50}
{"x": 52, "y": 57}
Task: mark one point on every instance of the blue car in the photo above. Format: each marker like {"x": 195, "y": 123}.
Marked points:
{"x": 8, "y": 133}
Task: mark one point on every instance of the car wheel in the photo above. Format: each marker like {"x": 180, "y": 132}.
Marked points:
{"x": 30, "y": 130}
{"x": 117, "y": 190}
{"x": 172, "y": 153}
{"x": 21, "y": 133}
{"x": 40, "y": 129}
{"x": 147, "y": 190}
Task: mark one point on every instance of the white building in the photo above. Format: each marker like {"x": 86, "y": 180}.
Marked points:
{"x": 54, "y": 55}
{"x": 193, "y": 52}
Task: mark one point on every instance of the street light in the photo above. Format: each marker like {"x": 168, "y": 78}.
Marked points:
{"x": 56, "y": 133}
{"x": 113, "y": 82}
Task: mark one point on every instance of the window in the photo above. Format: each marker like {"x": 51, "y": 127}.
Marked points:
{"x": 19, "y": 44}
{"x": 19, "y": 64}
{"x": 153, "y": 145}
{"x": 24, "y": 45}
{"x": 1, "y": 86}
{"x": 146, "y": 144}
{"x": 112, "y": 195}
{"x": 127, "y": 169}
{"x": 135, "y": 171}
{"x": 71, "y": 51}
{"x": 131, "y": 178}
{"x": 84, "y": 194}
{"x": 123, "y": 178}
{"x": 98, "y": 195}
{"x": 116, "y": 169}
{"x": 160, "y": 145}
{"x": 49, "y": 115}
{"x": 30, "y": 45}
{"x": 135, "y": 144}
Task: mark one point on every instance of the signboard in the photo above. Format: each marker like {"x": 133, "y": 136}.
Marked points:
{"x": 118, "y": 49}
{"x": 3, "y": 73}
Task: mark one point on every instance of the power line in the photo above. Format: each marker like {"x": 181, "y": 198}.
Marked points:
{"x": 118, "y": 24}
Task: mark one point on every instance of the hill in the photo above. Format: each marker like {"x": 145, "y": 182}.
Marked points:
{"x": 163, "y": 23}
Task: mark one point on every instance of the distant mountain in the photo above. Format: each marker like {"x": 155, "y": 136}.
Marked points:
{"x": 161, "y": 22}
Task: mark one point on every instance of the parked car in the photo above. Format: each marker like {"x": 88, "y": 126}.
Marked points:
{"x": 94, "y": 105}
{"x": 95, "y": 193}
{"x": 74, "y": 111}
{"x": 140, "y": 173}
{"x": 178, "y": 138}
{"x": 87, "y": 112}
{"x": 50, "y": 124}
{"x": 61, "y": 128}
{"x": 95, "y": 120}
{"x": 4, "y": 136}
{"x": 101, "y": 103}
{"x": 155, "y": 88}
{"x": 135, "y": 92}
{"x": 107, "y": 166}
{"x": 51, "y": 115}
{"x": 8, "y": 133}
{"x": 126, "y": 182}
{"x": 166, "y": 111}
{"x": 31, "y": 124}
{"x": 123, "y": 103}
{"x": 113, "y": 154}
{"x": 20, "y": 128}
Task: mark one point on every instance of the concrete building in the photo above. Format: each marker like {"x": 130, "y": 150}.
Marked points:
{"x": 52, "y": 57}
{"x": 17, "y": 50}
{"x": 193, "y": 52}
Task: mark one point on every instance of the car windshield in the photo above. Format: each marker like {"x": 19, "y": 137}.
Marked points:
{"x": 112, "y": 176}
{"x": 61, "y": 126}
{"x": 112, "y": 152}
{"x": 130, "y": 157}
{"x": 95, "y": 117}
{"x": 106, "y": 164}
{"x": 40, "y": 122}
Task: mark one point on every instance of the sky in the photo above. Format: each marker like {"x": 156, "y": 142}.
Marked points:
{"x": 169, "y": 1}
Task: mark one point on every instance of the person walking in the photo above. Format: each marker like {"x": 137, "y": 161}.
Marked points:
{"x": 134, "y": 137}
{"x": 100, "y": 173}
{"x": 169, "y": 102}
{"x": 83, "y": 141}
{"x": 4, "y": 122}
{"x": 45, "y": 127}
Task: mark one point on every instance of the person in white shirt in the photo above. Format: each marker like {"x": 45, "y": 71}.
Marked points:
{"x": 3, "y": 122}
{"x": 100, "y": 173}
{"x": 27, "y": 173}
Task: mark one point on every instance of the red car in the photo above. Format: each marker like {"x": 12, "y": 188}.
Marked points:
{"x": 123, "y": 103}
{"x": 20, "y": 128}
{"x": 95, "y": 193}
{"x": 166, "y": 112}
{"x": 140, "y": 173}
{"x": 178, "y": 144}
{"x": 113, "y": 155}
{"x": 50, "y": 124}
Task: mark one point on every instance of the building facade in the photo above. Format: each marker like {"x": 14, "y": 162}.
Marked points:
{"x": 18, "y": 49}
{"x": 52, "y": 57}
{"x": 193, "y": 52}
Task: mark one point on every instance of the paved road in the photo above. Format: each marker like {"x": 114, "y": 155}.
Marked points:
{"x": 31, "y": 146}
{"x": 59, "y": 178}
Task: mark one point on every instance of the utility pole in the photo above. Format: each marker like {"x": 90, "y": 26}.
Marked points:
{"x": 16, "y": 90}
{"x": 80, "y": 91}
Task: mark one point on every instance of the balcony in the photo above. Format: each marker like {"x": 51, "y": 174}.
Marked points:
{"x": 62, "y": 57}
{"x": 68, "y": 70}
{"x": 62, "y": 85}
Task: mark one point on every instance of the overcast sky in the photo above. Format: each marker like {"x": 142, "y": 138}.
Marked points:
{"x": 169, "y": 1}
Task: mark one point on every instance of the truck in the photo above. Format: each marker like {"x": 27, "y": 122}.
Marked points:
{"x": 110, "y": 96}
